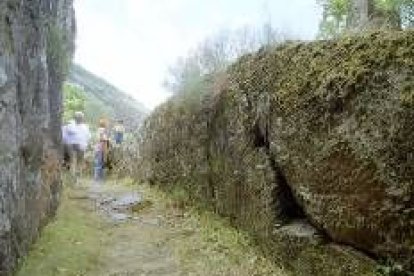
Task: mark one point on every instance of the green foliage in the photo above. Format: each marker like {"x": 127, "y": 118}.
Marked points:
{"x": 73, "y": 101}
{"x": 334, "y": 17}
{"x": 336, "y": 14}
{"x": 388, "y": 4}
{"x": 103, "y": 100}
{"x": 77, "y": 99}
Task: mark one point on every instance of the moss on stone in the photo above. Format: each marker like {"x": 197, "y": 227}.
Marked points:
{"x": 58, "y": 53}
{"x": 407, "y": 93}
{"x": 7, "y": 11}
{"x": 296, "y": 72}
{"x": 331, "y": 116}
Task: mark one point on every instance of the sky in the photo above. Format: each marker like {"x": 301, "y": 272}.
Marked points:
{"x": 132, "y": 43}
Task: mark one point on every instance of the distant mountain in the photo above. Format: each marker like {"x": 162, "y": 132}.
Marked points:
{"x": 103, "y": 100}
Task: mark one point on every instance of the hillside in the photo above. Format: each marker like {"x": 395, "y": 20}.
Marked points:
{"x": 103, "y": 100}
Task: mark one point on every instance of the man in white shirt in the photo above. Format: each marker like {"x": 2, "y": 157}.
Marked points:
{"x": 67, "y": 134}
{"x": 78, "y": 136}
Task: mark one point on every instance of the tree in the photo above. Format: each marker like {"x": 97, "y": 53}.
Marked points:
{"x": 335, "y": 17}
{"x": 73, "y": 101}
{"x": 360, "y": 13}
{"x": 357, "y": 15}
{"x": 215, "y": 53}
{"x": 368, "y": 14}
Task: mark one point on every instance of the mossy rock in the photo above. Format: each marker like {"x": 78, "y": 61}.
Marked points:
{"x": 332, "y": 118}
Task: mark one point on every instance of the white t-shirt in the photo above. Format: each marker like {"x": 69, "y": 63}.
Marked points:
{"x": 80, "y": 135}
{"x": 69, "y": 133}
{"x": 65, "y": 136}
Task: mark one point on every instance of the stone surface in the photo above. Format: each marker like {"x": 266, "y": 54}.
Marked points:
{"x": 302, "y": 248}
{"x": 347, "y": 151}
{"x": 320, "y": 131}
{"x": 36, "y": 42}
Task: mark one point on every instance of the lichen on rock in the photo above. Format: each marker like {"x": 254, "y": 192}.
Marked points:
{"x": 320, "y": 131}
{"x": 30, "y": 103}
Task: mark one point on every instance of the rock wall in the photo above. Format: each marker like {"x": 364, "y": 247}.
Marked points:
{"x": 306, "y": 146}
{"x": 36, "y": 44}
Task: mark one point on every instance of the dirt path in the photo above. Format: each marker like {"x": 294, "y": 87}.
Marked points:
{"x": 124, "y": 229}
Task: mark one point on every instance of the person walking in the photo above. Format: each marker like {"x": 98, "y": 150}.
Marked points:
{"x": 119, "y": 131}
{"x": 67, "y": 136}
{"x": 79, "y": 140}
{"x": 101, "y": 150}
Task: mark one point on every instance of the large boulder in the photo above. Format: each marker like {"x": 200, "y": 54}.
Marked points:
{"x": 340, "y": 128}
{"x": 319, "y": 131}
{"x": 36, "y": 42}
{"x": 347, "y": 147}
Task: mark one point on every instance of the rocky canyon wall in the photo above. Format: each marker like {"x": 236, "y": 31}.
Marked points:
{"x": 36, "y": 45}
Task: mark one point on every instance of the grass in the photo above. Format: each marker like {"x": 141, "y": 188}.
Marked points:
{"x": 211, "y": 246}
{"x": 79, "y": 242}
{"x": 70, "y": 245}
{"x": 221, "y": 249}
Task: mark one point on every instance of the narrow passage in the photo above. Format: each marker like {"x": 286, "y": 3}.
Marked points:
{"x": 121, "y": 228}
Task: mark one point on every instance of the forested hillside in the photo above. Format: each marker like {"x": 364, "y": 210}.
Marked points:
{"x": 100, "y": 99}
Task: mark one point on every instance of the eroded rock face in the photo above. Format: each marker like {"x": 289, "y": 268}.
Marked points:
{"x": 340, "y": 128}
{"x": 347, "y": 152}
{"x": 320, "y": 131}
{"x": 36, "y": 43}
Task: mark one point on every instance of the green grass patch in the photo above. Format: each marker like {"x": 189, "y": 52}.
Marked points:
{"x": 217, "y": 248}
{"x": 210, "y": 245}
{"x": 198, "y": 242}
{"x": 71, "y": 245}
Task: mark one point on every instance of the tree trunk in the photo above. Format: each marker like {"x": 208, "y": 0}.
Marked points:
{"x": 364, "y": 15}
{"x": 359, "y": 13}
